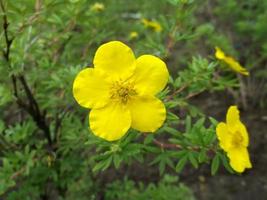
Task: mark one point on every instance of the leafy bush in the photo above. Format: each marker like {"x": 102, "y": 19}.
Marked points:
{"x": 166, "y": 189}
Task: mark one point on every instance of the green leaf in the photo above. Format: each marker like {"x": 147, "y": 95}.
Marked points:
{"x": 202, "y": 155}
{"x": 213, "y": 121}
{"x": 117, "y": 160}
{"x": 215, "y": 164}
{"x": 180, "y": 165}
{"x": 172, "y": 131}
{"x": 162, "y": 166}
{"x": 188, "y": 124}
{"x": 193, "y": 159}
{"x": 149, "y": 138}
{"x": 225, "y": 162}
{"x": 209, "y": 137}
{"x": 200, "y": 122}
{"x": 172, "y": 104}
{"x": 103, "y": 164}
{"x": 172, "y": 117}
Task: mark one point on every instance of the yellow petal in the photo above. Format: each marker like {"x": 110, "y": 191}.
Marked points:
{"x": 234, "y": 65}
{"x": 152, "y": 24}
{"x": 224, "y": 136}
{"x": 115, "y": 59}
{"x": 110, "y": 122}
{"x": 232, "y": 116}
{"x": 241, "y": 129}
{"x": 151, "y": 75}
{"x": 219, "y": 54}
{"x": 148, "y": 113}
{"x": 90, "y": 89}
{"x": 239, "y": 159}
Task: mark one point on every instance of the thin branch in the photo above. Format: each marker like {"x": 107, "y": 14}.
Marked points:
{"x": 193, "y": 94}
{"x": 29, "y": 94}
{"x": 163, "y": 145}
{"x": 21, "y": 170}
{"x": 5, "y": 28}
{"x": 210, "y": 152}
{"x": 32, "y": 107}
{"x": 177, "y": 92}
{"x": 58, "y": 123}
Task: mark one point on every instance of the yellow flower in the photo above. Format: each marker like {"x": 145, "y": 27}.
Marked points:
{"x": 97, "y": 7}
{"x": 233, "y": 139}
{"x": 233, "y": 64}
{"x": 133, "y": 35}
{"x": 152, "y": 24}
{"x": 121, "y": 90}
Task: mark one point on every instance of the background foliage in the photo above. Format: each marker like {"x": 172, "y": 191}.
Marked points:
{"x": 46, "y": 149}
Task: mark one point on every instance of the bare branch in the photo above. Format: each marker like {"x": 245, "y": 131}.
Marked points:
{"x": 32, "y": 106}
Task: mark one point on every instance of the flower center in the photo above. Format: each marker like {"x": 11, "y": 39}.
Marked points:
{"x": 122, "y": 91}
{"x": 237, "y": 139}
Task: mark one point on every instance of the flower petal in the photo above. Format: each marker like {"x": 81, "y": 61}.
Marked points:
{"x": 115, "y": 59}
{"x": 232, "y": 116}
{"x": 219, "y": 54}
{"x": 151, "y": 75}
{"x": 241, "y": 129}
{"x": 239, "y": 159}
{"x": 148, "y": 113}
{"x": 90, "y": 89}
{"x": 234, "y": 65}
{"x": 224, "y": 136}
{"x": 110, "y": 122}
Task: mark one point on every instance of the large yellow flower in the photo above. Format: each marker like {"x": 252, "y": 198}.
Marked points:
{"x": 233, "y": 139}
{"x": 121, "y": 90}
{"x": 233, "y": 64}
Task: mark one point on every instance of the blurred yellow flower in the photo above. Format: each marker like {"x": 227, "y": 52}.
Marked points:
{"x": 97, "y": 7}
{"x": 233, "y": 64}
{"x": 133, "y": 35}
{"x": 234, "y": 140}
{"x": 152, "y": 24}
{"x": 121, "y": 90}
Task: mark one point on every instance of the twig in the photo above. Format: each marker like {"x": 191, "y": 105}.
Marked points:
{"x": 5, "y": 28}
{"x": 32, "y": 107}
{"x": 18, "y": 173}
{"x": 176, "y": 92}
{"x": 193, "y": 94}
{"x": 59, "y": 122}
{"x": 21, "y": 170}
{"x": 166, "y": 145}
{"x": 210, "y": 152}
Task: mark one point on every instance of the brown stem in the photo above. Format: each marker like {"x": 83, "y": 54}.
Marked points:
{"x": 166, "y": 145}
{"x": 32, "y": 107}
{"x": 176, "y": 92}
{"x": 193, "y": 94}
{"x": 5, "y": 28}
{"x": 171, "y": 146}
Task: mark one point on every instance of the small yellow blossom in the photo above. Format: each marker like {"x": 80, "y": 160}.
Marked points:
{"x": 233, "y": 64}
{"x": 234, "y": 140}
{"x": 120, "y": 90}
{"x": 97, "y": 7}
{"x": 133, "y": 35}
{"x": 152, "y": 24}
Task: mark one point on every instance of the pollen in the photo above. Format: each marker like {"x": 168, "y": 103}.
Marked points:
{"x": 237, "y": 140}
{"x": 122, "y": 91}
